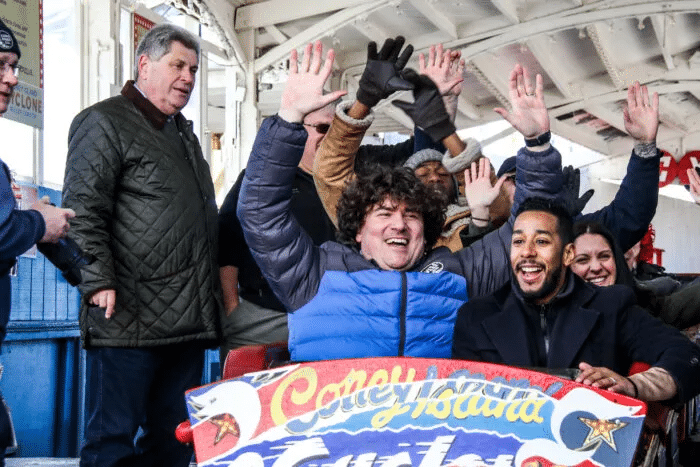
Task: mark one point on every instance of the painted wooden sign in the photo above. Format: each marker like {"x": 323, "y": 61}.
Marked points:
{"x": 401, "y": 412}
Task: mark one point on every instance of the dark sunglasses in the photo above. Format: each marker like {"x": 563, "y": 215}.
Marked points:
{"x": 320, "y": 127}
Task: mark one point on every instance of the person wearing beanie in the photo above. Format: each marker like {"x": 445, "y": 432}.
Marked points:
{"x": 19, "y": 230}
{"x": 9, "y": 58}
{"x": 439, "y": 171}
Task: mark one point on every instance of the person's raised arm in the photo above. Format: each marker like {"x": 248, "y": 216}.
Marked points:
{"x": 303, "y": 92}
{"x": 429, "y": 114}
{"x": 335, "y": 159}
{"x": 382, "y": 75}
{"x": 633, "y": 208}
{"x": 446, "y": 69}
{"x": 538, "y": 164}
{"x": 486, "y": 262}
{"x": 284, "y": 251}
{"x": 479, "y": 191}
{"x": 528, "y": 112}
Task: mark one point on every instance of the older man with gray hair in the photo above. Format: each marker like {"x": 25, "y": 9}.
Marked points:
{"x": 144, "y": 202}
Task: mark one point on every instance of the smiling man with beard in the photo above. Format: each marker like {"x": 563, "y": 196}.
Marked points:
{"x": 548, "y": 317}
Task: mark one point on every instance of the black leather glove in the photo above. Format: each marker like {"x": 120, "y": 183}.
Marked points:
{"x": 381, "y": 77}
{"x": 427, "y": 109}
{"x": 663, "y": 285}
{"x": 572, "y": 183}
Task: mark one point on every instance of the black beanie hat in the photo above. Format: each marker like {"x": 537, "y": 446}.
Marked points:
{"x": 8, "y": 41}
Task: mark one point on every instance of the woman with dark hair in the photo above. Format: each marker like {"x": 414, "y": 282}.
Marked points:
{"x": 600, "y": 261}
{"x": 598, "y": 258}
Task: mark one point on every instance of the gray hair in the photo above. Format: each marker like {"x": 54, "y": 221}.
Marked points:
{"x": 158, "y": 41}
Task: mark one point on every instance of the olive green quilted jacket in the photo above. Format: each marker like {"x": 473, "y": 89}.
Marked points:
{"x": 149, "y": 216}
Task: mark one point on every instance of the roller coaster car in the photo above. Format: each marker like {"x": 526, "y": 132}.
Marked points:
{"x": 401, "y": 411}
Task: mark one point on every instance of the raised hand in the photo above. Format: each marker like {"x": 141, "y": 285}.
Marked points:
{"x": 427, "y": 109}
{"x": 478, "y": 189}
{"x": 381, "y": 77}
{"x": 303, "y": 92}
{"x": 444, "y": 67}
{"x": 572, "y": 184}
{"x": 641, "y": 114}
{"x": 694, "y": 181}
{"x": 528, "y": 112}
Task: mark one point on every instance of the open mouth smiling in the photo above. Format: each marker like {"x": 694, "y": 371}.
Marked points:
{"x": 597, "y": 280}
{"x": 530, "y": 272}
{"x": 397, "y": 241}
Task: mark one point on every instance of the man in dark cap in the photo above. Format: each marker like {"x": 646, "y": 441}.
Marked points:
{"x": 508, "y": 168}
{"x": 19, "y": 230}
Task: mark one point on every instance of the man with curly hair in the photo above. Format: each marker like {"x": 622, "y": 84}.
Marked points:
{"x": 392, "y": 190}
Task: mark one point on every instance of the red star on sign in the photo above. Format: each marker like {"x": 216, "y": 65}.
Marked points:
{"x": 227, "y": 425}
{"x": 601, "y": 430}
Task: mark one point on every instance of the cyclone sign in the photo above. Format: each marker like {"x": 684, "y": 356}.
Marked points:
{"x": 401, "y": 412}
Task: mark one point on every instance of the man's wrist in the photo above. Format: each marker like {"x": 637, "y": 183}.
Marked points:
{"x": 367, "y": 99}
{"x": 290, "y": 115}
{"x": 358, "y": 110}
{"x": 539, "y": 140}
{"x": 454, "y": 145}
{"x": 480, "y": 216}
{"x": 441, "y": 130}
{"x": 645, "y": 150}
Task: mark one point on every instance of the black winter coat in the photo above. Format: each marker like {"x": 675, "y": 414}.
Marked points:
{"x": 601, "y": 326}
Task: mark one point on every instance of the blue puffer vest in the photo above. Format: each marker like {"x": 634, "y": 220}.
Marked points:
{"x": 383, "y": 313}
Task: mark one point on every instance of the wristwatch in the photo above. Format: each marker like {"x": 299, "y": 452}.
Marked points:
{"x": 540, "y": 140}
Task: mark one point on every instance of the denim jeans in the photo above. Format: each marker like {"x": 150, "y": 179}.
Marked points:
{"x": 138, "y": 388}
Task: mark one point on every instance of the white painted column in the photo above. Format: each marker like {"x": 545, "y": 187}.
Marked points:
{"x": 101, "y": 17}
{"x": 249, "y": 115}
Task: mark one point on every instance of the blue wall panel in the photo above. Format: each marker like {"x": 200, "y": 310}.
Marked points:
{"x": 29, "y": 387}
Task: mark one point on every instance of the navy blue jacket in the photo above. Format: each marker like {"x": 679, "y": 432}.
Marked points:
{"x": 601, "y": 326}
{"x": 19, "y": 230}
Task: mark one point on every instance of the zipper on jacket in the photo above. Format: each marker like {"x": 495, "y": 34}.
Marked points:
{"x": 402, "y": 314}
{"x": 543, "y": 326}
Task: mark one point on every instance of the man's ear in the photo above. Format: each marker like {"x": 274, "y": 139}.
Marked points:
{"x": 142, "y": 65}
{"x": 569, "y": 254}
{"x": 358, "y": 235}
